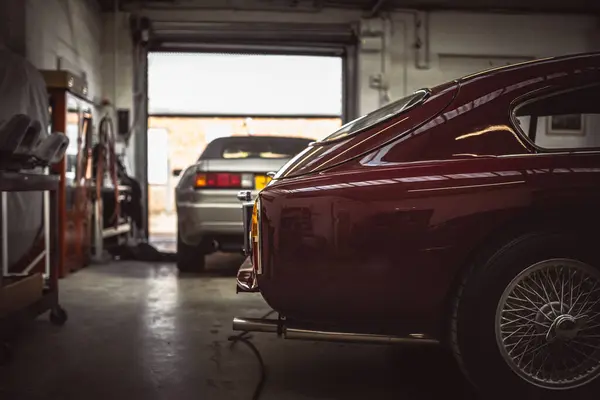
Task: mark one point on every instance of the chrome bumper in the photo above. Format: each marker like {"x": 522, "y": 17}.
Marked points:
{"x": 247, "y": 221}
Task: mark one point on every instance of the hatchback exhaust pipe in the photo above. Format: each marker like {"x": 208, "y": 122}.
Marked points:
{"x": 298, "y": 333}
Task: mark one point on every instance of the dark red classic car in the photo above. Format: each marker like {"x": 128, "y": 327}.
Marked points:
{"x": 467, "y": 214}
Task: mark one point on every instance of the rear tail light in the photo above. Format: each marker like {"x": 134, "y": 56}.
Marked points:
{"x": 223, "y": 180}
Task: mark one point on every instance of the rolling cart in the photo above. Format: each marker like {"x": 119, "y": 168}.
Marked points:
{"x": 32, "y": 291}
{"x": 28, "y": 278}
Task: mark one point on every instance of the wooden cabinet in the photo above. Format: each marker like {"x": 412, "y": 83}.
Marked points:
{"x": 73, "y": 115}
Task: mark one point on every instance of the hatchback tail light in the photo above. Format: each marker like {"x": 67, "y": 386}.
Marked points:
{"x": 222, "y": 180}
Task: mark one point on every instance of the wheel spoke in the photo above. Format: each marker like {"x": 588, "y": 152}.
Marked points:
{"x": 586, "y": 344}
{"x": 591, "y": 306}
{"x": 552, "y": 283}
{"x": 531, "y": 301}
{"x": 533, "y": 321}
{"x": 532, "y": 291}
{"x": 587, "y": 296}
{"x": 590, "y": 327}
{"x": 516, "y": 345}
{"x": 579, "y": 293}
{"x": 515, "y": 332}
{"x": 588, "y": 356}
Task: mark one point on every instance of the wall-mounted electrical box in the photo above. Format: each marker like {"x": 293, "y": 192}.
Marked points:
{"x": 122, "y": 122}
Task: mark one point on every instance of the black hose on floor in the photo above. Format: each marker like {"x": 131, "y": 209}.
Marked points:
{"x": 244, "y": 338}
{"x": 263, "y": 370}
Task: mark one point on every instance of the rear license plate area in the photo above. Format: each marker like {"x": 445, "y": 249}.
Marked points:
{"x": 261, "y": 181}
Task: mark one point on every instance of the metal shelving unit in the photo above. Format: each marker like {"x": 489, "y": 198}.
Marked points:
{"x": 45, "y": 263}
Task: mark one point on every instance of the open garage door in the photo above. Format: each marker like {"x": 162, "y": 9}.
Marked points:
{"x": 295, "y": 39}
{"x": 195, "y": 98}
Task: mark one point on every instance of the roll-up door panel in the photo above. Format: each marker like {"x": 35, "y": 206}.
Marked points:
{"x": 170, "y": 35}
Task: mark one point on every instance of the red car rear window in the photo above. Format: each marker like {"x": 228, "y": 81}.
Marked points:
{"x": 379, "y": 115}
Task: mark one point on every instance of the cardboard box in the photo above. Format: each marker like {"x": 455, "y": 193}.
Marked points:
{"x": 18, "y": 293}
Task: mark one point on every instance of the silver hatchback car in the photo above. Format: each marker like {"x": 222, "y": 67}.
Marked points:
{"x": 208, "y": 211}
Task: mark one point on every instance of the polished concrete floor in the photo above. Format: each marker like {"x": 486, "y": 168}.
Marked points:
{"x": 140, "y": 331}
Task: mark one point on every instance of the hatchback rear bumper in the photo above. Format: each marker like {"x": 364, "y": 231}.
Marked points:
{"x": 198, "y": 220}
{"x": 208, "y": 213}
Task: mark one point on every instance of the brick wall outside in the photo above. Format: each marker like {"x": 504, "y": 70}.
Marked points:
{"x": 188, "y": 136}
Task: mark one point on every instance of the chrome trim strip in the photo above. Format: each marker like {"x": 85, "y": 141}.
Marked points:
{"x": 259, "y": 236}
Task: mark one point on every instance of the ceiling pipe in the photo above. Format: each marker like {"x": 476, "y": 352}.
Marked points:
{"x": 420, "y": 20}
{"x": 376, "y": 8}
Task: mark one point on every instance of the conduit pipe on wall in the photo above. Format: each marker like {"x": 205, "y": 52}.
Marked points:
{"x": 420, "y": 44}
{"x": 115, "y": 53}
{"x": 421, "y": 36}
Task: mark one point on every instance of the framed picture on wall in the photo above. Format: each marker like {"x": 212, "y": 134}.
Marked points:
{"x": 567, "y": 124}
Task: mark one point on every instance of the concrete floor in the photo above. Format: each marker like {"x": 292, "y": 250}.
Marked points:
{"x": 138, "y": 331}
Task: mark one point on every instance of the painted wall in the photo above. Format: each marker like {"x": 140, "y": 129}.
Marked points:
{"x": 463, "y": 43}
{"x": 66, "y": 33}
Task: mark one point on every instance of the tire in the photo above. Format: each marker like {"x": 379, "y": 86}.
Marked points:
{"x": 489, "y": 316}
{"x": 190, "y": 258}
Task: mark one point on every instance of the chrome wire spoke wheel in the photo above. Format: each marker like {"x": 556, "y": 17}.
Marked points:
{"x": 548, "y": 324}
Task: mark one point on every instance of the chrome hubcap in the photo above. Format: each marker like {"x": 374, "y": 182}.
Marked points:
{"x": 548, "y": 324}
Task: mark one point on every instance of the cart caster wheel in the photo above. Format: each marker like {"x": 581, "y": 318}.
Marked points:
{"x": 5, "y": 353}
{"x": 58, "y": 316}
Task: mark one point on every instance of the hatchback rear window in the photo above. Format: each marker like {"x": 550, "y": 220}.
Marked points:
{"x": 379, "y": 115}
{"x": 254, "y": 147}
